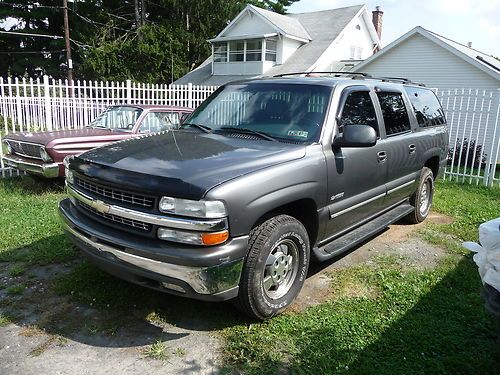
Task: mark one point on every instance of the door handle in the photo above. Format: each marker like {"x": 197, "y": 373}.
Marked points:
{"x": 381, "y": 156}
{"x": 412, "y": 148}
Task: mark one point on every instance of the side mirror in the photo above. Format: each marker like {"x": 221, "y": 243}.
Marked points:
{"x": 356, "y": 136}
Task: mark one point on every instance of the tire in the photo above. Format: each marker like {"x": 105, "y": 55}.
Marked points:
{"x": 275, "y": 268}
{"x": 421, "y": 200}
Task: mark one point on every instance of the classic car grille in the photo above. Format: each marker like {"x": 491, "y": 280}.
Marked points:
{"x": 26, "y": 149}
{"x": 114, "y": 194}
{"x": 117, "y": 219}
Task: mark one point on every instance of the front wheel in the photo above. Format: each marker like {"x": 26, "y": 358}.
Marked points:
{"x": 275, "y": 268}
{"x": 421, "y": 200}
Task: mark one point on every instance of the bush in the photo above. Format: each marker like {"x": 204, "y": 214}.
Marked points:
{"x": 471, "y": 154}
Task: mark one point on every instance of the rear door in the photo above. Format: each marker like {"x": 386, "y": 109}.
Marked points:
{"x": 356, "y": 176}
{"x": 400, "y": 145}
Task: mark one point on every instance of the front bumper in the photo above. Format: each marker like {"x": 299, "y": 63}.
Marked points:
{"x": 206, "y": 273}
{"x": 38, "y": 167}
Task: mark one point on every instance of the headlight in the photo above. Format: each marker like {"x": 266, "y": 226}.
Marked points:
{"x": 185, "y": 207}
{"x": 9, "y": 148}
{"x": 44, "y": 155}
{"x": 67, "y": 172}
{"x": 69, "y": 176}
{"x": 194, "y": 238}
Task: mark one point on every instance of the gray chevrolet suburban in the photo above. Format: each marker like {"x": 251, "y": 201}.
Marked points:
{"x": 265, "y": 176}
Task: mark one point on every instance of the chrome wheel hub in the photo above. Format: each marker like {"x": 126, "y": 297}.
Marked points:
{"x": 425, "y": 198}
{"x": 280, "y": 269}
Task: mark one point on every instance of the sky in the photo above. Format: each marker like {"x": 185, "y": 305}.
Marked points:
{"x": 461, "y": 20}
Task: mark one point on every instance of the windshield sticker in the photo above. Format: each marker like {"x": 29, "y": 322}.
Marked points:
{"x": 298, "y": 133}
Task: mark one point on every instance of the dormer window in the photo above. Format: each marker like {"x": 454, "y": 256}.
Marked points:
{"x": 271, "y": 48}
{"x": 236, "y": 51}
{"x": 250, "y": 50}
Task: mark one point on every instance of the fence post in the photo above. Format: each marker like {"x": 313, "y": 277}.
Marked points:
{"x": 129, "y": 91}
{"x": 48, "y": 107}
{"x": 491, "y": 163}
{"x": 190, "y": 95}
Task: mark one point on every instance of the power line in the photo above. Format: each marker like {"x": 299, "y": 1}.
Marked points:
{"x": 28, "y": 34}
{"x": 31, "y": 6}
{"x": 30, "y": 52}
{"x": 95, "y": 23}
{"x": 79, "y": 44}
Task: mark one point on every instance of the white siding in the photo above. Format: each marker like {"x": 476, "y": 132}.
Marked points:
{"x": 286, "y": 47}
{"x": 248, "y": 25}
{"x": 422, "y": 60}
{"x": 341, "y": 48}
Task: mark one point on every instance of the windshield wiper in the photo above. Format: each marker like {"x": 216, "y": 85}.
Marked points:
{"x": 203, "y": 128}
{"x": 249, "y": 131}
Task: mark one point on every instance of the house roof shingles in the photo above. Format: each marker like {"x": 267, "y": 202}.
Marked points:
{"x": 321, "y": 27}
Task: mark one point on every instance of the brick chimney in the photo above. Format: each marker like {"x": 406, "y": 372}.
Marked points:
{"x": 377, "y": 16}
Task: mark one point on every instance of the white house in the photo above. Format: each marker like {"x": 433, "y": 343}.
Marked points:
{"x": 436, "y": 61}
{"x": 260, "y": 42}
{"x": 467, "y": 82}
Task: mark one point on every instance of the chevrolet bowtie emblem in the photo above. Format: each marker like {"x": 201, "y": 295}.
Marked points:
{"x": 101, "y": 207}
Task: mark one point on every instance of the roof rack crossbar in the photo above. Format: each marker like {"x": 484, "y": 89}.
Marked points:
{"x": 355, "y": 75}
{"x": 331, "y": 73}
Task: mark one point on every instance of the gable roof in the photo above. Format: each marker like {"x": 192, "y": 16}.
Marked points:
{"x": 282, "y": 24}
{"x": 481, "y": 60}
{"x": 322, "y": 29}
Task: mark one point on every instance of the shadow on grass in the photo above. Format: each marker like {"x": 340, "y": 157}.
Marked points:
{"x": 84, "y": 304}
{"x": 32, "y": 185}
{"x": 423, "y": 323}
{"x": 48, "y": 250}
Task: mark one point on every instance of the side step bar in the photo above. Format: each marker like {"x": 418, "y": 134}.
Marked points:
{"x": 363, "y": 232}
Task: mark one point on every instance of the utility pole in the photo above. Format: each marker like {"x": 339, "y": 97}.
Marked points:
{"x": 68, "y": 46}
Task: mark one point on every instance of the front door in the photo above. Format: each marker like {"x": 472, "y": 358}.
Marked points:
{"x": 356, "y": 176}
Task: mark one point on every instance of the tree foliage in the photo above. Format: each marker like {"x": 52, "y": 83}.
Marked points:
{"x": 111, "y": 42}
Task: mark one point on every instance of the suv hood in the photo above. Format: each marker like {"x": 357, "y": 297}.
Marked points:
{"x": 183, "y": 164}
{"x": 64, "y": 136}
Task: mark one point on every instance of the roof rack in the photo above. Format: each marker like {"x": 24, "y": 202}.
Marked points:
{"x": 330, "y": 73}
{"x": 355, "y": 75}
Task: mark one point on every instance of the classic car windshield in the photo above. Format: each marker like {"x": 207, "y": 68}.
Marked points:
{"x": 122, "y": 117}
{"x": 289, "y": 112}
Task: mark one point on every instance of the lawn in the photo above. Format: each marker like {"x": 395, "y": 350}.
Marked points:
{"x": 412, "y": 321}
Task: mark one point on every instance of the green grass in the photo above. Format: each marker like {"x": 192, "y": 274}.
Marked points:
{"x": 17, "y": 270}
{"x": 16, "y": 290}
{"x": 4, "y": 320}
{"x": 402, "y": 322}
{"x": 30, "y": 230}
{"x": 158, "y": 350}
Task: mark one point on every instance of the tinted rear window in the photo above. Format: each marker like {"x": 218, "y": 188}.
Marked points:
{"x": 427, "y": 108}
{"x": 394, "y": 112}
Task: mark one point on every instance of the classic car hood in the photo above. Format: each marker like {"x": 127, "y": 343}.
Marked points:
{"x": 63, "y": 136}
{"x": 182, "y": 163}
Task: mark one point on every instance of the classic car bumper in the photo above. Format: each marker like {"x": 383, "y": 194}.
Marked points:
{"x": 213, "y": 275}
{"x": 38, "y": 167}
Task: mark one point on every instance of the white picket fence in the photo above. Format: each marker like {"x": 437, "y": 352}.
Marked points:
{"x": 48, "y": 104}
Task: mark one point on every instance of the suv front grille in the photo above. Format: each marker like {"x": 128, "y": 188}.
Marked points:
{"x": 26, "y": 149}
{"x": 114, "y": 194}
{"x": 117, "y": 219}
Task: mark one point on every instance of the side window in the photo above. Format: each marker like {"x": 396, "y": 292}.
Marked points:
{"x": 426, "y": 105}
{"x": 394, "y": 112}
{"x": 358, "y": 110}
{"x": 159, "y": 121}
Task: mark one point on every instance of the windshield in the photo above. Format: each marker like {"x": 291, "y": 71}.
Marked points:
{"x": 289, "y": 112}
{"x": 122, "y": 117}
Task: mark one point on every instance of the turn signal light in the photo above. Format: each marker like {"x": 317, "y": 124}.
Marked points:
{"x": 216, "y": 238}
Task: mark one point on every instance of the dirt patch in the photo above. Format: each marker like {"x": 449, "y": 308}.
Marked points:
{"x": 398, "y": 244}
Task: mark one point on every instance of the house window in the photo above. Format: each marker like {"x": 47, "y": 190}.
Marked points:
{"x": 236, "y": 51}
{"x": 220, "y": 52}
{"x": 254, "y": 50}
{"x": 356, "y": 53}
{"x": 271, "y": 47}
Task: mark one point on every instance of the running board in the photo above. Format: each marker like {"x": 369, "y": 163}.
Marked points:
{"x": 363, "y": 232}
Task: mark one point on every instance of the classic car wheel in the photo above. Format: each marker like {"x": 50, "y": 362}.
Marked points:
{"x": 275, "y": 268}
{"x": 421, "y": 200}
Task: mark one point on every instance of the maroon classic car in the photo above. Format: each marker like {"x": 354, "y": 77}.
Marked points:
{"x": 42, "y": 153}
